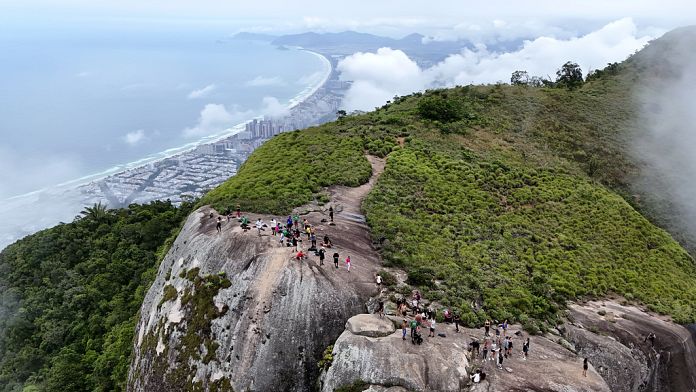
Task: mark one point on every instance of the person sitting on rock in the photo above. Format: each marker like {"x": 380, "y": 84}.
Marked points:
{"x": 245, "y": 223}
{"x": 327, "y": 242}
{"x": 476, "y": 377}
{"x": 300, "y": 255}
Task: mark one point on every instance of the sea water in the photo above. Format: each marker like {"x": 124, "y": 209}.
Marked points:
{"x": 79, "y": 101}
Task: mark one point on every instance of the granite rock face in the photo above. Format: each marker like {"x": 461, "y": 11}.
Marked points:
{"x": 439, "y": 364}
{"x": 236, "y": 310}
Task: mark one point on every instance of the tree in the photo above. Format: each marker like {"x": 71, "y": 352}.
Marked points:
{"x": 341, "y": 113}
{"x": 519, "y": 78}
{"x": 97, "y": 213}
{"x": 437, "y": 108}
{"x": 569, "y": 76}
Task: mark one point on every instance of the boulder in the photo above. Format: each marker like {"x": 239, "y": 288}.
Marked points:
{"x": 370, "y": 325}
{"x": 439, "y": 364}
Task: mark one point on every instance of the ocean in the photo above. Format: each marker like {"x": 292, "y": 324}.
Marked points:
{"x": 75, "y": 103}
{"x": 80, "y": 102}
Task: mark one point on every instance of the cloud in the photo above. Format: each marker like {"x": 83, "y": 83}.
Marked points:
{"x": 203, "y": 92}
{"x": 273, "y": 108}
{"x": 214, "y": 118}
{"x": 310, "y": 79}
{"x": 379, "y": 76}
{"x": 261, "y": 81}
{"x": 134, "y": 138}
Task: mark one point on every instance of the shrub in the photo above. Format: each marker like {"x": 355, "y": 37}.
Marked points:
{"x": 437, "y": 108}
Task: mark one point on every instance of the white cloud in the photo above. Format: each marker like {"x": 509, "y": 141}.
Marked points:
{"x": 379, "y": 76}
{"x": 310, "y": 79}
{"x": 273, "y": 108}
{"x": 214, "y": 118}
{"x": 203, "y": 92}
{"x": 135, "y": 137}
{"x": 262, "y": 81}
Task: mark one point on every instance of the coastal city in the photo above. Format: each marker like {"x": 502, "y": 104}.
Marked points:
{"x": 190, "y": 174}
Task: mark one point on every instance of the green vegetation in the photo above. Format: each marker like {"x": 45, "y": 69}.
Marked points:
{"x": 327, "y": 359}
{"x": 357, "y": 386}
{"x": 74, "y": 291}
{"x": 501, "y": 201}
{"x": 291, "y": 169}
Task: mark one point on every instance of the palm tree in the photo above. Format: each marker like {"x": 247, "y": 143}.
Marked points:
{"x": 97, "y": 213}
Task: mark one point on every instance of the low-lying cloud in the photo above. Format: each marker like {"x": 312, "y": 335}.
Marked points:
{"x": 217, "y": 117}
{"x": 203, "y": 92}
{"x": 379, "y": 76}
{"x": 134, "y": 138}
{"x": 262, "y": 81}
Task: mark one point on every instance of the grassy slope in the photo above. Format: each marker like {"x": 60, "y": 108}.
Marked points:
{"x": 510, "y": 209}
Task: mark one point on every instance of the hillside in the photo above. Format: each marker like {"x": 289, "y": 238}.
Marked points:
{"x": 505, "y": 197}
{"x": 497, "y": 201}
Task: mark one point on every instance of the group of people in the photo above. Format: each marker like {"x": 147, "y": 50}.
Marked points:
{"x": 289, "y": 234}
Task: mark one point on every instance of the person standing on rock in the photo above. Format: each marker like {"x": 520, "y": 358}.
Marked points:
{"x": 378, "y": 279}
{"x": 404, "y": 325}
{"x": 525, "y": 349}
{"x": 585, "y": 365}
{"x": 296, "y": 221}
{"x": 335, "y": 257}
{"x": 239, "y": 211}
{"x": 414, "y": 324}
{"x": 348, "y": 263}
{"x": 487, "y": 326}
{"x": 313, "y": 239}
{"x": 218, "y": 226}
{"x": 331, "y": 214}
{"x": 500, "y": 360}
{"x": 273, "y": 226}
{"x": 288, "y": 222}
{"x": 294, "y": 243}
{"x": 322, "y": 253}
{"x": 380, "y": 309}
{"x": 457, "y": 319}
{"x": 432, "y": 328}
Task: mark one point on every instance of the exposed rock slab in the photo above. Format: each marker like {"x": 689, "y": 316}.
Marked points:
{"x": 439, "y": 364}
{"x": 370, "y": 325}
{"x": 267, "y": 330}
{"x": 613, "y": 337}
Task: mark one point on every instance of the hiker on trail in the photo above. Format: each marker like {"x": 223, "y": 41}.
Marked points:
{"x": 294, "y": 243}
{"x": 378, "y": 279}
{"x": 296, "y": 221}
{"x": 308, "y": 231}
{"x": 509, "y": 353}
{"x": 414, "y": 324}
{"x": 380, "y": 309}
{"x": 456, "y": 319}
{"x": 239, "y": 211}
{"x": 348, "y": 263}
{"x": 404, "y": 325}
{"x": 335, "y": 257}
{"x": 525, "y": 349}
{"x": 259, "y": 225}
{"x": 218, "y": 226}
{"x": 585, "y": 365}
{"x": 500, "y": 360}
{"x": 331, "y": 214}
{"x": 274, "y": 223}
{"x": 506, "y": 344}
{"x": 432, "y": 328}
{"x": 504, "y": 325}
{"x": 322, "y": 253}
{"x": 313, "y": 239}
{"x": 288, "y": 222}
{"x": 487, "y": 326}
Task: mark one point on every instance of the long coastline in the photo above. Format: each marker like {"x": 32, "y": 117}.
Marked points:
{"x": 301, "y": 97}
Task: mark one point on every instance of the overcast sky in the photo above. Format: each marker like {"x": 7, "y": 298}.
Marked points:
{"x": 443, "y": 18}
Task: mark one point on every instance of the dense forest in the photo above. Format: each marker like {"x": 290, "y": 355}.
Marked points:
{"x": 72, "y": 294}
